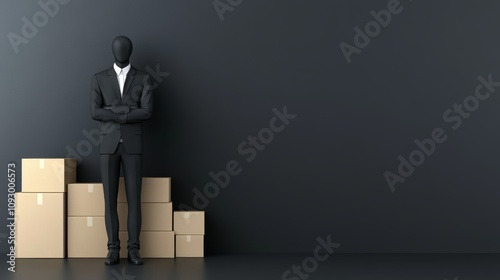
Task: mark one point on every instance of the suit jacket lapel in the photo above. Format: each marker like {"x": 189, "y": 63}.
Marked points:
{"x": 128, "y": 81}
{"x": 113, "y": 80}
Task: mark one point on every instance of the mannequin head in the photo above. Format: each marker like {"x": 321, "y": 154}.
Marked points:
{"x": 122, "y": 49}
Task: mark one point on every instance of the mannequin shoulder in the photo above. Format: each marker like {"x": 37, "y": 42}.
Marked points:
{"x": 103, "y": 73}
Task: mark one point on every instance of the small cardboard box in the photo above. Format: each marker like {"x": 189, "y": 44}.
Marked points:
{"x": 85, "y": 200}
{"x": 189, "y": 245}
{"x": 189, "y": 222}
{"x": 43, "y": 175}
{"x": 87, "y": 237}
{"x": 154, "y": 244}
{"x": 40, "y": 225}
{"x": 155, "y": 216}
{"x": 154, "y": 189}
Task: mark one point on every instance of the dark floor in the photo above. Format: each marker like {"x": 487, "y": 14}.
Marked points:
{"x": 236, "y": 267}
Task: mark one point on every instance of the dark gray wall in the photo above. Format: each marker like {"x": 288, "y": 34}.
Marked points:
{"x": 324, "y": 173}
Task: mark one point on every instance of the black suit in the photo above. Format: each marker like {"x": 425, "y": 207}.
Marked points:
{"x": 137, "y": 95}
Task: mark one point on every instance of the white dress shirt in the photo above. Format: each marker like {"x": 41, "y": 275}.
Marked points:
{"x": 121, "y": 74}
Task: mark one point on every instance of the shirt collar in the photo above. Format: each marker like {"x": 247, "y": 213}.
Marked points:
{"x": 118, "y": 69}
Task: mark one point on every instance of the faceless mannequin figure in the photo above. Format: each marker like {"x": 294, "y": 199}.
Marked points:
{"x": 121, "y": 99}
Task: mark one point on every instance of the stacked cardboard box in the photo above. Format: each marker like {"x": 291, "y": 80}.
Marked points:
{"x": 41, "y": 207}
{"x": 157, "y": 237}
{"x": 42, "y": 218}
{"x": 189, "y": 228}
{"x": 86, "y": 228}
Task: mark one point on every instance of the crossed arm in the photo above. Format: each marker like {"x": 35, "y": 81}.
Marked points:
{"x": 120, "y": 113}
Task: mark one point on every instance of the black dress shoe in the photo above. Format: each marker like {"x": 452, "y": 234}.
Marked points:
{"x": 113, "y": 257}
{"x": 134, "y": 257}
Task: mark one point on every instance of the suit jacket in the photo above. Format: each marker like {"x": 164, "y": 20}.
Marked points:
{"x": 137, "y": 94}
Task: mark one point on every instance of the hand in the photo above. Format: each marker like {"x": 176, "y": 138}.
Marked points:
{"x": 120, "y": 109}
{"x": 122, "y": 118}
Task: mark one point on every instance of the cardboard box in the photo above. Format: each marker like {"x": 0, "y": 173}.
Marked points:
{"x": 85, "y": 200}
{"x": 154, "y": 244}
{"x": 87, "y": 237}
{"x": 154, "y": 189}
{"x": 155, "y": 216}
{"x": 189, "y": 222}
{"x": 43, "y": 175}
{"x": 40, "y": 225}
{"x": 189, "y": 245}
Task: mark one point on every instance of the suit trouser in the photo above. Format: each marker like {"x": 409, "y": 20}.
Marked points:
{"x": 132, "y": 173}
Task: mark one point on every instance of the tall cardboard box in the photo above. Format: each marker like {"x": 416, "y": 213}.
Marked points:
{"x": 87, "y": 237}
{"x": 85, "y": 200}
{"x": 155, "y": 216}
{"x": 40, "y": 225}
{"x": 187, "y": 245}
{"x": 189, "y": 222}
{"x": 154, "y": 244}
{"x": 47, "y": 174}
{"x": 154, "y": 189}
